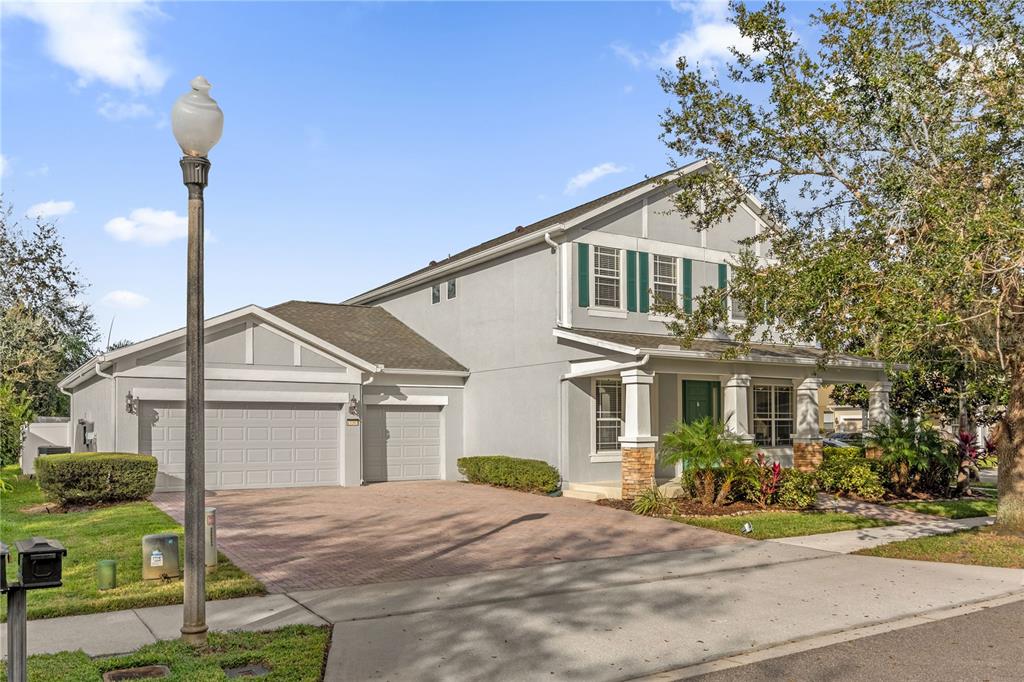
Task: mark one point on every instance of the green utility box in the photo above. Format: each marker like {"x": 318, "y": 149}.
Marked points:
{"x": 160, "y": 557}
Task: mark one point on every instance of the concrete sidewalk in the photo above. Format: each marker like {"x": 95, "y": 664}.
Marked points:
{"x": 119, "y": 632}
{"x": 616, "y": 619}
{"x": 849, "y": 541}
{"x": 601, "y": 619}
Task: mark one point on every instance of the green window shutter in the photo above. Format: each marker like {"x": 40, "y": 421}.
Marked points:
{"x": 687, "y": 285}
{"x": 723, "y": 282}
{"x": 584, "y": 275}
{"x": 631, "y": 281}
{"x": 645, "y": 283}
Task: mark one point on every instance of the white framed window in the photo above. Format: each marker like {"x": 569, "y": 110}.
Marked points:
{"x": 665, "y": 278}
{"x": 607, "y": 277}
{"x": 608, "y": 414}
{"x": 435, "y": 293}
{"x": 773, "y": 415}
{"x": 451, "y": 288}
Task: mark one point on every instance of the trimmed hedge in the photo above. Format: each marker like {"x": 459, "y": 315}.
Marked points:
{"x": 798, "y": 489}
{"x": 528, "y": 475}
{"x": 94, "y": 477}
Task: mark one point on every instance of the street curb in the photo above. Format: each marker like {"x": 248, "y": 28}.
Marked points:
{"x": 819, "y": 641}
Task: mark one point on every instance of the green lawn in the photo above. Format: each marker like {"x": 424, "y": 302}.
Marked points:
{"x": 985, "y": 546}
{"x": 293, "y": 654}
{"x": 768, "y": 525}
{"x": 106, "y": 533}
{"x": 952, "y": 509}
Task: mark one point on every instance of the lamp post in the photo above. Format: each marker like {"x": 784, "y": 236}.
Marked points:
{"x": 197, "y": 123}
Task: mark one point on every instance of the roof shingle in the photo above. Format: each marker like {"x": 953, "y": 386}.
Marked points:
{"x": 368, "y": 332}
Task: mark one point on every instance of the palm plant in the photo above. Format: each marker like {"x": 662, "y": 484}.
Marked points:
{"x": 710, "y": 454}
{"x": 910, "y": 449}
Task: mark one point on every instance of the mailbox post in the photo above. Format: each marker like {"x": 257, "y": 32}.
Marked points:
{"x": 40, "y": 564}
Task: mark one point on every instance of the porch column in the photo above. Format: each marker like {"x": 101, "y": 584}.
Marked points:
{"x": 878, "y": 411}
{"x": 636, "y": 441}
{"x": 807, "y": 449}
{"x": 736, "y": 406}
{"x": 878, "y": 403}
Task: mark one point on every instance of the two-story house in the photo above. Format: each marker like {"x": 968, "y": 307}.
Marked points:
{"x": 539, "y": 343}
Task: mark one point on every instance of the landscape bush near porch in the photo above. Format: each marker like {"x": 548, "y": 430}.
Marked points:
{"x": 528, "y": 475}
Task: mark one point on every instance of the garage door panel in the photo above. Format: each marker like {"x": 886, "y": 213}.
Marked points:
{"x": 402, "y": 443}
{"x": 263, "y": 445}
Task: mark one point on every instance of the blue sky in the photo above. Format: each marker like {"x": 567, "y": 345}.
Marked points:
{"x": 360, "y": 141}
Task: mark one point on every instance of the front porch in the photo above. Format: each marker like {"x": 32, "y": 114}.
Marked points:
{"x": 769, "y": 398}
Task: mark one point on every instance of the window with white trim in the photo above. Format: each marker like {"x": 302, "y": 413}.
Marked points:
{"x": 607, "y": 277}
{"x": 665, "y": 280}
{"x": 773, "y": 415}
{"x": 608, "y": 414}
{"x": 435, "y": 293}
{"x": 451, "y": 289}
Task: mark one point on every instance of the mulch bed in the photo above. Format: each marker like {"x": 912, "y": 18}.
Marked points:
{"x": 687, "y": 507}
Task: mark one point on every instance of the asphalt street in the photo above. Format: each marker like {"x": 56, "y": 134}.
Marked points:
{"x": 985, "y": 645}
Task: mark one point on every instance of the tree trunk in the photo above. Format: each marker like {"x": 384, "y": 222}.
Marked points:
{"x": 1011, "y": 453}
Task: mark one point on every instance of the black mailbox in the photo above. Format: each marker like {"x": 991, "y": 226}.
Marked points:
{"x": 4, "y": 553}
{"x": 39, "y": 562}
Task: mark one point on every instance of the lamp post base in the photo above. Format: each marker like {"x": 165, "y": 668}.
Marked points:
{"x": 194, "y": 634}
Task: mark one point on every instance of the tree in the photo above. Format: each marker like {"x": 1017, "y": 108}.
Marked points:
{"x": 45, "y": 328}
{"x": 15, "y": 414}
{"x": 890, "y": 165}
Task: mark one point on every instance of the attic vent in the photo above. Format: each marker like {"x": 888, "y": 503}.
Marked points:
{"x": 520, "y": 228}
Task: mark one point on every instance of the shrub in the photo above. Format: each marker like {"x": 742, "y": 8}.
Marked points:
{"x": 93, "y": 477}
{"x": 847, "y": 471}
{"x": 798, "y": 489}
{"x": 712, "y": 458}
{"x": 653, "y": 502}
{"x": 528, "y": 475}
{"x": 914, "y": 455}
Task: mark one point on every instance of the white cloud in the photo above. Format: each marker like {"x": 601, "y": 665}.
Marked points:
{"x": 5, "y": 166}
{"x": 114, "y": 110}
{"x": 706, "y": 42}
{"x": 581, "y": 180}
{"x": 122, "y": 298}
{"x": 148, "y": 226}
{"x": 98, "y": 41}
{"x": 50, "y": 209}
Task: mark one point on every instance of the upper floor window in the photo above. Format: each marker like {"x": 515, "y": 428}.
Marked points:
{"x": 773, "y": 415}
{"x": 451, "y": 288}
{"x": 607, "y": 278}
{"x": 435, "y": 293}
{"x": 608, "y": 414}
{"x": 665, "y": 284}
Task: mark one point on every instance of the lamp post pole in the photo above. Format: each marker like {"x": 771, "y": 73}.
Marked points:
{"x": 196, "y": 171}
{"x": 197, "y": 123}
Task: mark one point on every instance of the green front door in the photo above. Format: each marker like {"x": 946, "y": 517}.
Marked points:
{"x": 700, "y": 400}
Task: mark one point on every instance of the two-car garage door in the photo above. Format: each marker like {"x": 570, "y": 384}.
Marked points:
{"x": 248, "y": 445}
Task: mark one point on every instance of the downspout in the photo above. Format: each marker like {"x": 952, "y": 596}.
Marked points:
{"x": 71, "y": 416}
{"x": 113, "y": 401}
{"x": 551, "y": 242}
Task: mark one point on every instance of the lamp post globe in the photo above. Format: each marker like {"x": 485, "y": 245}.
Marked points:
{"x": 197, "y": 123}
{"x": 196, "y": 120}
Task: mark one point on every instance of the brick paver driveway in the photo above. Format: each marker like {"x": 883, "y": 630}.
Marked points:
{"x": 315, "y": 538}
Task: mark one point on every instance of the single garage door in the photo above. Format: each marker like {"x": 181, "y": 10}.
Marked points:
{"x": 402, "y": 444}
{"x": 248, "y": 445}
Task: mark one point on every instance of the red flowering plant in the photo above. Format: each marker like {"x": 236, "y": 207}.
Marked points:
{"x": 769, "y": 475}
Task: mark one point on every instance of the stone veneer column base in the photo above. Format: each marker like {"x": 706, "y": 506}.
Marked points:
{"x": 873, "y": 452}
{"x": 637, "y": 471}
{"x": 807, "y": 454}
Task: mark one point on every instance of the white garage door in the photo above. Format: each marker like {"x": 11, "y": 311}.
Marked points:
{"x": 402, "y": 444}
{"x": 248, "y": 445}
